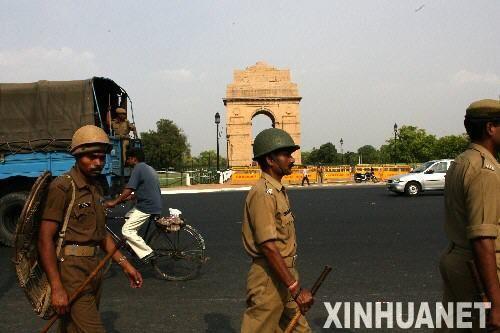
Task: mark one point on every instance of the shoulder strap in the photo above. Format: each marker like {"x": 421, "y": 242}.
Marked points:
{"x": 62, "y": 232}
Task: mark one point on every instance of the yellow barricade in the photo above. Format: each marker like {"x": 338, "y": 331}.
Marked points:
{"x": 245, "y": 176}
{"x": 394, "y": 170}
{"x": 336, "y": 173}
{"x": 383, "y": 172}
{"x": 297, "y": 174}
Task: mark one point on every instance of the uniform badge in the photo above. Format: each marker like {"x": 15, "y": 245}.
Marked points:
{"x": 488, "y": 166}
{"x": 84, "y": 205}
{"x": 269, "y": 191}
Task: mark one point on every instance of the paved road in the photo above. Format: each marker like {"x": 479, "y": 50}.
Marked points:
{"x": 382, "y": 247}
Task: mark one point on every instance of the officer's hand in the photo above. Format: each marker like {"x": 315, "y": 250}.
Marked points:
{"x": 133, "y": 275}
{"x": 304, "y": 300}
{"x": 60, "y": 300}
{"x": 109, "y": 204}
{"x": 494, "y": 319}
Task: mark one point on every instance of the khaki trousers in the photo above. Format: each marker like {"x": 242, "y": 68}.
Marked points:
{"x": 458, "y": 285}
{"x": 135, "y": 219}
{"x": 84, "y": 313}
{"x": 270, "y": 306}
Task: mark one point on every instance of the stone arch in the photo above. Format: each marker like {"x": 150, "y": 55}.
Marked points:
{"x": 266, "y": 112}
{"x": 259, "y": 89}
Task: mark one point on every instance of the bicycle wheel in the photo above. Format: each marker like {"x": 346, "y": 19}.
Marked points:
{"x": 180, "y": 254}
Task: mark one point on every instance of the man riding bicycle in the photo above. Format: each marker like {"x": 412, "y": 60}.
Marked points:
{"x": 144, "y": 185}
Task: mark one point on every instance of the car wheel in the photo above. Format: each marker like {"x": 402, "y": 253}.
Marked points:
{"x": 412, "y": 189}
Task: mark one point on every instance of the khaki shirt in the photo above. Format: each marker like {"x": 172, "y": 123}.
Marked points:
{"x": 472, "y": 197}
{"x": 122, "y": 128}
{"x": 267, "y": 216}
{"x": 87, "y": 220}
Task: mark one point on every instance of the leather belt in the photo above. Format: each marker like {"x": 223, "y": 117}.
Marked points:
{"x": 289, "y": 261}
{"x": 79, "y": 250}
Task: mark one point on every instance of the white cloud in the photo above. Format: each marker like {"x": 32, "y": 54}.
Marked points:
{"x": 464, "y": 77}
{"x": 39, "y": 63}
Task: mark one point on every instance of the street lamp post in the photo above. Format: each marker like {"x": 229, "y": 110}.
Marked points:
{"x": 217, "y": 122}
{"x": 342, "y": 149}
{"x": 227, "y": 151}
{"x": 395, "y": 142}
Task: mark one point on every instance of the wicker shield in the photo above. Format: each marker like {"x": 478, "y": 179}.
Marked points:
{"x": 30, "y": 274}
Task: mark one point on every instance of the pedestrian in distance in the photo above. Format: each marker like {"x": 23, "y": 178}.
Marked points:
{"x": 305, "y": 176}
{"x": 274, "y": 292}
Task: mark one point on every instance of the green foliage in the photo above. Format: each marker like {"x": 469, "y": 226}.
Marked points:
{"x": 326, "y": 154}
{"x": 207, "y": 159}
{"x": 412, "y": 145}
{"x": 351, "y": 158}
{"x": 166, "y": 147}
{"x": 305, "y": 156}
{"x": 450, "y": 146}
{"x": 369, "y": 154}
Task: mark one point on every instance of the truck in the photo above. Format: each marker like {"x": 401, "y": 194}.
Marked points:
{"x": 37, "y": 122}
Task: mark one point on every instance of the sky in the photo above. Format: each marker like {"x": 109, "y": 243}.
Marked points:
{"x": 360, "y": 66}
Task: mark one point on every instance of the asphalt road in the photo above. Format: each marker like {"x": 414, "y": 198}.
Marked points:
{"x": 382, "y": 247}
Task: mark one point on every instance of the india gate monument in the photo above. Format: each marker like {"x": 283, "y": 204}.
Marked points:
{"x": 259, "y": 89}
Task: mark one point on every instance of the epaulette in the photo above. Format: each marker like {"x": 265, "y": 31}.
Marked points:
{"x": 487, "y": 164}
{"x": 269, "y": 190}
{"x": 63, "y": 181}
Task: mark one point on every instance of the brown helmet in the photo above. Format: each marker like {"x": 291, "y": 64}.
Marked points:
{"x": 89, "y": 139}
{"x": 121, "y": 111}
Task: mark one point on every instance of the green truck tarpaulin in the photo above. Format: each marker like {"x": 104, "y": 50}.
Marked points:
{"x": 42, "y": 116}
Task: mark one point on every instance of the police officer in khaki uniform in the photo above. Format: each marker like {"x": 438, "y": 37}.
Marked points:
{"x": 472, "y": 201}
{"x": 122, "y": 128}
{"x": 274, "y": 293}
{"x": 84, "y": 234}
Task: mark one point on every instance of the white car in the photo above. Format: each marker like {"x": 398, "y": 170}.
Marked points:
{"x": 428, "y": 177}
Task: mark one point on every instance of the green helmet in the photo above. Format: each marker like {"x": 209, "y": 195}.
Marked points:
{"x": 270, "y": 140}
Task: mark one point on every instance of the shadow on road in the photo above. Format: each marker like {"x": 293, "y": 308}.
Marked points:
{"x": 218, "y": 322}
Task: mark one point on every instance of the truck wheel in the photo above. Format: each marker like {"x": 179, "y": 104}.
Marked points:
{"x": 413, "y": 189}
{"x": 11, "y": 206}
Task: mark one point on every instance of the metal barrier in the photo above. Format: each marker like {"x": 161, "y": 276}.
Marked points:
{"x": 332, "y": 174}
{"x": 298, "y": 174}
{"x": 321, "y": 174}
{"x": 245, "y": 176}
{"x": 383, "y": 171}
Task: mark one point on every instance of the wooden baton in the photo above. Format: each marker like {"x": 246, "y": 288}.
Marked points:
{"x": 78, "y": 291}
{"x": 314, "y": 289}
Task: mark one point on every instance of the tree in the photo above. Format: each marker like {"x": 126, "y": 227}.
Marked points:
{"x": 351, "y": 158}
{"x": 369, "y": 154}
{"x": 413, "y": 145}
{"x": 305, "y": 156}
{"x": 208, "y": 158}
{"x": 167, "y": 146}
{"x": 450, "y": 146}
{"x": 326, "y": 154}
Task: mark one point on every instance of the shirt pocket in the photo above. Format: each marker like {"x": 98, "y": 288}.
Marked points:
{"x": 85, "y": 216}
{"x": 285, "y": 221}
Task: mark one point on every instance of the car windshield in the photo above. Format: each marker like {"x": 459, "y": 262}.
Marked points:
{"x": 423, "y": 167}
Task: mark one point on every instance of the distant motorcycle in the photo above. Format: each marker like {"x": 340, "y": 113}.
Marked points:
{"x": 365, "y": 177}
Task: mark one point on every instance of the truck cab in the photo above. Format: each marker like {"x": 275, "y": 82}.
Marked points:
{"x": 37, "y": 122}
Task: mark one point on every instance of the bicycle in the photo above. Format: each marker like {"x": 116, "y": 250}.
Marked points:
{"x": 179, "y": 253}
